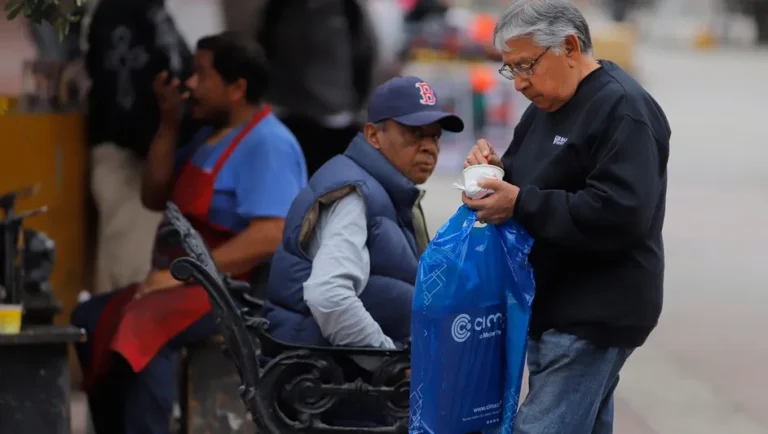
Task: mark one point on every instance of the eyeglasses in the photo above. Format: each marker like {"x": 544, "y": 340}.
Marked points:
{"x": 510, "y": 72}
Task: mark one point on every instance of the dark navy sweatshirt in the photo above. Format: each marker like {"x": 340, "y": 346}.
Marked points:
{"x": 593, "y": 179}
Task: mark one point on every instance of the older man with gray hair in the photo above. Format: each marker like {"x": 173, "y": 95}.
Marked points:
{"x": 586, "y": 175}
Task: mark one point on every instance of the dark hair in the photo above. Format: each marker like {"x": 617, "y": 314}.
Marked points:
{"x": 236, "y": 56}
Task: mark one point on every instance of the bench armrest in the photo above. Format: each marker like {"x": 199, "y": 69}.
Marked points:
{"x": 200, "y": 267}
{"x": 273, "y": 345}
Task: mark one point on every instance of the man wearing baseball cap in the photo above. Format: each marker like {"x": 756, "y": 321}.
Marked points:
{"x": 345, "y": 272}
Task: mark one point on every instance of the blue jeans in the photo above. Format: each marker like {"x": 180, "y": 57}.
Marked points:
{"x": 130, "y": 402}
{"x": 571, "y": 385}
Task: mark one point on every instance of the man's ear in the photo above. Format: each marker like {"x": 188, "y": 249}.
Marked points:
{"x": 239, "y": 89}
{"x": 371, "y": 135}
{"x": 571, "y": 45}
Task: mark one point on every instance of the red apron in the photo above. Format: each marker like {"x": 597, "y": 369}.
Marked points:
{"x": 138, "y": 329}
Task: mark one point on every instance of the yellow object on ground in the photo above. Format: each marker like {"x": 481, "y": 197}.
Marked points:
{"x": 10, "y": 319}
{"x": 704, "y": 39}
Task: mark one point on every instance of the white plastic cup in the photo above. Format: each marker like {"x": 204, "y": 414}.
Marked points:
{"x": 473, "y": 174}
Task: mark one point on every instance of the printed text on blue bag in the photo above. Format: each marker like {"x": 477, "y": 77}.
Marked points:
{"x": 468, "y": 369}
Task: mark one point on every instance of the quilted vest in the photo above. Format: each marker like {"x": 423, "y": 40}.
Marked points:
{"x": 389, "y": 197}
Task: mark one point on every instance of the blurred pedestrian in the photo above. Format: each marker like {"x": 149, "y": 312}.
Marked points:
{"x": 128, "y": 43}
{"x": 586, "y": 175}
{"x": 321, "y": 59}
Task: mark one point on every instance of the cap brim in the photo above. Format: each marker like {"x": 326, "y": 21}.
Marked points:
{"x": 448, "y": 121}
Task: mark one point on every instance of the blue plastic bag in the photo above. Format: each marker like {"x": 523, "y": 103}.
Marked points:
{"x": 471, "y": 309}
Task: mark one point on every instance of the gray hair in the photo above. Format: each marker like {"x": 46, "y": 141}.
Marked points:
{"x": 548, "y": 22}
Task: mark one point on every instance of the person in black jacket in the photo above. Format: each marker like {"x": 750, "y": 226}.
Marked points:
{"x": 320, "y": 94}
{"x": 586, "y": 176}
{"x": 128, "y": 43}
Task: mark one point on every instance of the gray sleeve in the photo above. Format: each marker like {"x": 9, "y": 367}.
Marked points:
{"x": 340, "y": 271}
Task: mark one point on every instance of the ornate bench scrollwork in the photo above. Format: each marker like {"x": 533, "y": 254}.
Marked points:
{"x": 290, "y": 388}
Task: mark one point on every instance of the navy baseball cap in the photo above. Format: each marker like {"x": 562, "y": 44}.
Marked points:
{"x": 410, "y": 101}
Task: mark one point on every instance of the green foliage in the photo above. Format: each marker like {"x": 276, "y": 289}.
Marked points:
{"x": 51, "y": 11}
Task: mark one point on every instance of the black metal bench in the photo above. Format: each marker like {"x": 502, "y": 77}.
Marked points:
{"x": 300, "y": 387}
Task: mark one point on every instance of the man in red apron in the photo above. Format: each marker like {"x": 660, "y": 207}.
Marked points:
{"x": 234, "y": 182}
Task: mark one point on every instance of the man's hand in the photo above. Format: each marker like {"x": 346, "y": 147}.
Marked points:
{"x": 498, "y": 207}
{"x": 482, "y": 153}
{"x": 157, "y": 280}
{"x": 169, "y": 98}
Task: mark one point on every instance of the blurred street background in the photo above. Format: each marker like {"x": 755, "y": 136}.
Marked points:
{"x": 704, "y": 369}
